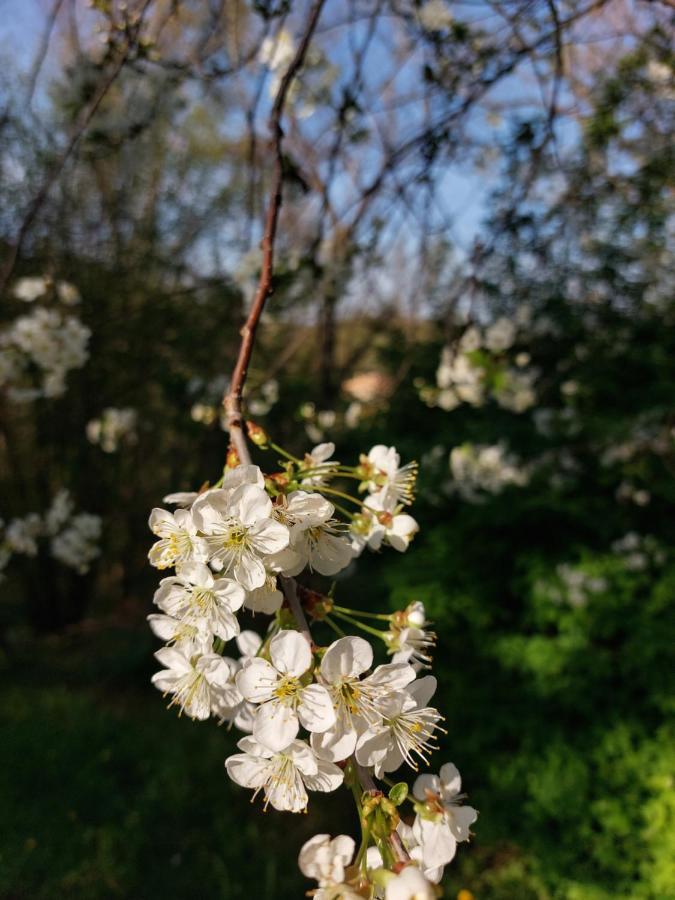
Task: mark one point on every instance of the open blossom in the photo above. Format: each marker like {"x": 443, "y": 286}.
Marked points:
{"x": 408, "y": 638}
{"x": 441, "y": 820}
{"x": 285, "y": 701}
{"x": 406, "y": 731}
{"x": 357, "y": 701}
{"x": 77, "y": 545}
{"x": 325, "y": 860}
{"x": 179, "y": 542}
{"x": 240, "y": 531}
{"x": 319, "y": 458}
{"x": 381, "y": 468}
{"x": 315, "y": 542}
{"x": 382, "y": 520}
{"x": 192, "y": 681}
{"x": 283, "y": 776}
{"x": 196, "y": 598}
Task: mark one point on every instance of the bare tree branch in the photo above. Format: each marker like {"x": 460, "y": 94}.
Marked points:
{"x": 232, "y": 399}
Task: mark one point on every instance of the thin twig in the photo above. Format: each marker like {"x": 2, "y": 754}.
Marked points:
{"x": 232, "y": 399}
{"x": 289, "y": 589}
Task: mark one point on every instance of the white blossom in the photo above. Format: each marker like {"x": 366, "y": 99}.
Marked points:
{"x": 196, "y": 598}
{"x": 325, "y": 859}
{"x": 441, "y": 820}
{"x": 285, "y": 701}
{"x": 315, "y": 541}
{"x": 406, "y": 731}
{"x": 240, "y": 531}
{"x": 193, "y": 681}
{"x": 179, "y": 542}
{"x": 357, "y": 701}
{"x": 382, "y": 468}
{"x": 282, "y": 776}
{"x": 29, "y": 289}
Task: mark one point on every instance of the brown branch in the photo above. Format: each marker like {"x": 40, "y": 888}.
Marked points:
{"x": 80, "y": 126}
{"x": 289, "y": 588}
{"x": 232, "y": 399}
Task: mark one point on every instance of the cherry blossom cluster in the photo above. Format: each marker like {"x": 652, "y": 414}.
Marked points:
{"x": 72, "y": 538}
{"x": 316, "y": 714}
{"x": 38, "y": 350}
{"x": 479, "y": 367}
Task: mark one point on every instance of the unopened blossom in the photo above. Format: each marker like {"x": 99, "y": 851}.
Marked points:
{"x": 285, "y": 700}
{"x": 239, "y": 531}
{"x": 410, "y": 884}
{"x": 195, "y": 597}
{"x": 381, "y": 468}
{"x": 406, "y": 732}
{"x": 179, "y": 542}
{"x": 325, "y": 859}
{"x": 192, "y": 681}
{"x": 357, "y": 701}
{"x": 283, "y": 776}
{"x": 441, "y": 820}
{"x": 315, "y": 540}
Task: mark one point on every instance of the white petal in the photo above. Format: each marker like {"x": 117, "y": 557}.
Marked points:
{"x": 275, "y": 725}
{"x": 315, "y": 709}
{"x": 348, "y": 656}
{"x": 250, "y": 504}
{"x": 461, "y": 818}
{"x": 424, "y": 783}
{"x": 423, "y": 690}
{"x": 290, "y": 653}
{"x": 247, "y": 770}
{"x": 248, "y": 643}
{"x": 438, "y": 844}
{"x": 334, "y": 745}
{"x": 229, "y": 593}
{"x": 328, "y": 778}
{"x": 257, "y": 680}
{"x": 451, "y": 780}
{"x": 268, "y": 536}
{"x": 249, "y": 571}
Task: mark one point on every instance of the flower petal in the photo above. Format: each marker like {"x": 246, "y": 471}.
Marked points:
{"x": 275, "y": 725}
{"x": 348, "y": 656}
{"x": 315, "y": 709}
{"x": 290, "y": 653}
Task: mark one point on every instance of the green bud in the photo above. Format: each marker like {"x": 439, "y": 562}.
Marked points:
{"x": 398, "y": 793}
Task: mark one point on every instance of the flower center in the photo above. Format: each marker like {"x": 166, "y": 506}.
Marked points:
{"x": 287, "y": 688}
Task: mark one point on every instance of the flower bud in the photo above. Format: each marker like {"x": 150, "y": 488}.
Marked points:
{"x": 257, "y": 435}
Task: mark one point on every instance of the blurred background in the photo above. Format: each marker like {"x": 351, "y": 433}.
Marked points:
{"x": 475, "y": 263}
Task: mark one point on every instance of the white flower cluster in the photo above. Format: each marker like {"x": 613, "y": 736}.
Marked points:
{"x": 313, "y": 716}
{"x": 477, "y": 468}
{"x": 112, "y": 428}
{"x": 440, "y": 823}
{"x": 477, "y": 369}
{"x": 73, "y": 538}
{"x": 38, "y": 350}
{"x": 30, "y": 289}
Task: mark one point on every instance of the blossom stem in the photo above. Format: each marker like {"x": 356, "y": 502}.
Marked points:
{"x": 326, "y": 490}
{"x": 284, "y": 453}
{"x": 336, "y": 628}
{"x": 361, "y": 625}
{"x": 383, "y": 617}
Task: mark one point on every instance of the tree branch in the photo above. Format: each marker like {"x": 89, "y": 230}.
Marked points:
{"x": 232, "y": 399}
